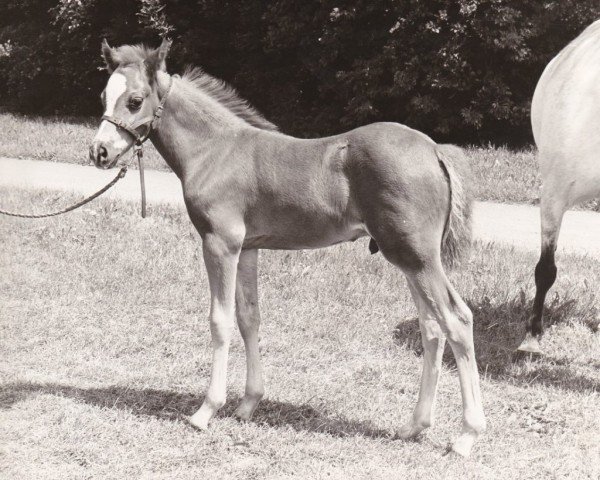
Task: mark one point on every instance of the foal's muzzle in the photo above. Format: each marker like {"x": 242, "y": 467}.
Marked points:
{"x": 101, "y": 155}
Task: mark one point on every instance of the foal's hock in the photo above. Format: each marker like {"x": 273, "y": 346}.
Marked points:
{"x": 248, "y": 187}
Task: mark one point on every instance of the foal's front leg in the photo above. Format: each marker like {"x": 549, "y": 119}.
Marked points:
{"x": 221, "y": 254}
{"x": 248, "y": 317}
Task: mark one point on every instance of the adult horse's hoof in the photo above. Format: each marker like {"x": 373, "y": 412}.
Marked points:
{"x": 530, "y": 345}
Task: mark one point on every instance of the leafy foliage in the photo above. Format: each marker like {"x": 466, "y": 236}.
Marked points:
{"x": 461, "y": 70}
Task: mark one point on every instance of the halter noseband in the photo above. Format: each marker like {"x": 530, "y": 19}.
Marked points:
{"x": 149, "y": 122}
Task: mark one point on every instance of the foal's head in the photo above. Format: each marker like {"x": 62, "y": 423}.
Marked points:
{"x": 130, "y": 97}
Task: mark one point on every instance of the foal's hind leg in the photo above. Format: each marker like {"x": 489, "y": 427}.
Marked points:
{"x": 442, "y": 313}
{"x": 433, "y": 340}
{"x": 456, "y": 322}
{"x": 248, "y": 318}
{"x": 552, "y": 208}
{"x": 221, "y": 253}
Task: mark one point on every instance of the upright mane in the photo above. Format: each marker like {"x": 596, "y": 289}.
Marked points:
{"x": 127, "y": 54}
{"x": 227, "y": 96}
{"x": 217, "y": 89}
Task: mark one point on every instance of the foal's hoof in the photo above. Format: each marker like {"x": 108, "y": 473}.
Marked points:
{"x": 244, "y": 412}
{"x": 247, "y": 406}
{"x": 530, "y": 345}
{"x": 409, "y": 431}
{"x": 198, "y": 422}
{"x": 462, "y": 445}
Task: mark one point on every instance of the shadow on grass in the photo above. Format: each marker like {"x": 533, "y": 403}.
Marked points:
{"x": 173, "y": 406}
{"x": 498, "y": 331}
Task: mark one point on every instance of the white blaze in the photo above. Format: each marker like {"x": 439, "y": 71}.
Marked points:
{"x": 116, "y": 86}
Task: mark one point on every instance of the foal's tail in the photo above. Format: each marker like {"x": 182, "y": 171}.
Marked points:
{"x": 456, "y": 238}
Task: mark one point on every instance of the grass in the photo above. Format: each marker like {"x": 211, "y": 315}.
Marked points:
{"x": 501, "y": 175}
{"x": 510, "y": 176}
{"x": 505, "y": 176}
{"x": 105, "y": 348}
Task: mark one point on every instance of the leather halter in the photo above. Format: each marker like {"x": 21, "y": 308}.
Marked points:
{"x": 131, "y": 129}
{"x": 148, "y": 122}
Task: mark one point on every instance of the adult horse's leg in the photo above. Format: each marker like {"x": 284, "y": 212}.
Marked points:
{"x": 221, "y": 253}
{"x": 248, "y": 318}
{"x": 433, "y": 340}
{"x": 552, "y": 208}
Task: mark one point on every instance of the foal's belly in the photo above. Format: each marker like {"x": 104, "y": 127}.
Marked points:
{"x": 304, "y": 237}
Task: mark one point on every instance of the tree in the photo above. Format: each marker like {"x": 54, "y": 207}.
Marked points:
{"x": 460, "y": 70}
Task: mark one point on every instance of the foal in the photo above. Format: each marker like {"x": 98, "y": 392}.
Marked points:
{"x": 565, "y": 116}
{"x": 247, "y": 186}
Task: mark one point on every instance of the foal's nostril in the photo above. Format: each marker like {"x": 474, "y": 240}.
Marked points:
{"x": 99, "y": 154}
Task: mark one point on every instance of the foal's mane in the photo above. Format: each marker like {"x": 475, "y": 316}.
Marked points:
{"x": 227, "y": 96}
{"x": 127, "y": 54}
{"x": 217, "y": 89}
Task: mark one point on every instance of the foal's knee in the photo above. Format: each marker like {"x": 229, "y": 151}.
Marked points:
{"x": 221, "y": 329}
{"x": 248, "y": 319}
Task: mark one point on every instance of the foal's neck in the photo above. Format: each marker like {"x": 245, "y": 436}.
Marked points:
{"x": 189, "y": 120}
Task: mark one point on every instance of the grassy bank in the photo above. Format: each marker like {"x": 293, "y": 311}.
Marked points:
{"x": 500, "y": 175}
{"x": 105, "y": 348}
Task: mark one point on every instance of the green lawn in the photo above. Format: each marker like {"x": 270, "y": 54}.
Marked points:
{"x": 500, "y": 175}
{"x": 105, "y": 348}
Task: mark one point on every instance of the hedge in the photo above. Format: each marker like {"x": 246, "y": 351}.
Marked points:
{"x": 461, "y": 71}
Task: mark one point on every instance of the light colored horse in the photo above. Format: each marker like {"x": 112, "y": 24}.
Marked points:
{"x": 565, "y": 116}
{"x": 247, "y": 187}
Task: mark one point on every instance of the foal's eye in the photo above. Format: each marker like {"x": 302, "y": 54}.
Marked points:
{"x": 135, "y": 103}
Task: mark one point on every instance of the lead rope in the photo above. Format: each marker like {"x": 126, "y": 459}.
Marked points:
{"x": 137, "y": 151}
{"x": 140, "y": 156}
{"x": 119, "y": 176}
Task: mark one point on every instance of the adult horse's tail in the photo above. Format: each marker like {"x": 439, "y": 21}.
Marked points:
{"x": 456, "y": 238}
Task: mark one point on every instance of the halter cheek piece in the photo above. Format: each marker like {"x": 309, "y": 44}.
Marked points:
{"x": 149, "y": 122}
{"x": 131, "y": 129}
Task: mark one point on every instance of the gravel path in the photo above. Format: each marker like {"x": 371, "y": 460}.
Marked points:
{"x": 517, "y": 225}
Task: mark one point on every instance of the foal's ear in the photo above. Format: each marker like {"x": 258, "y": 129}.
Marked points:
{"x": 110, "y": 57}
{"x": 157, "y": 60}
